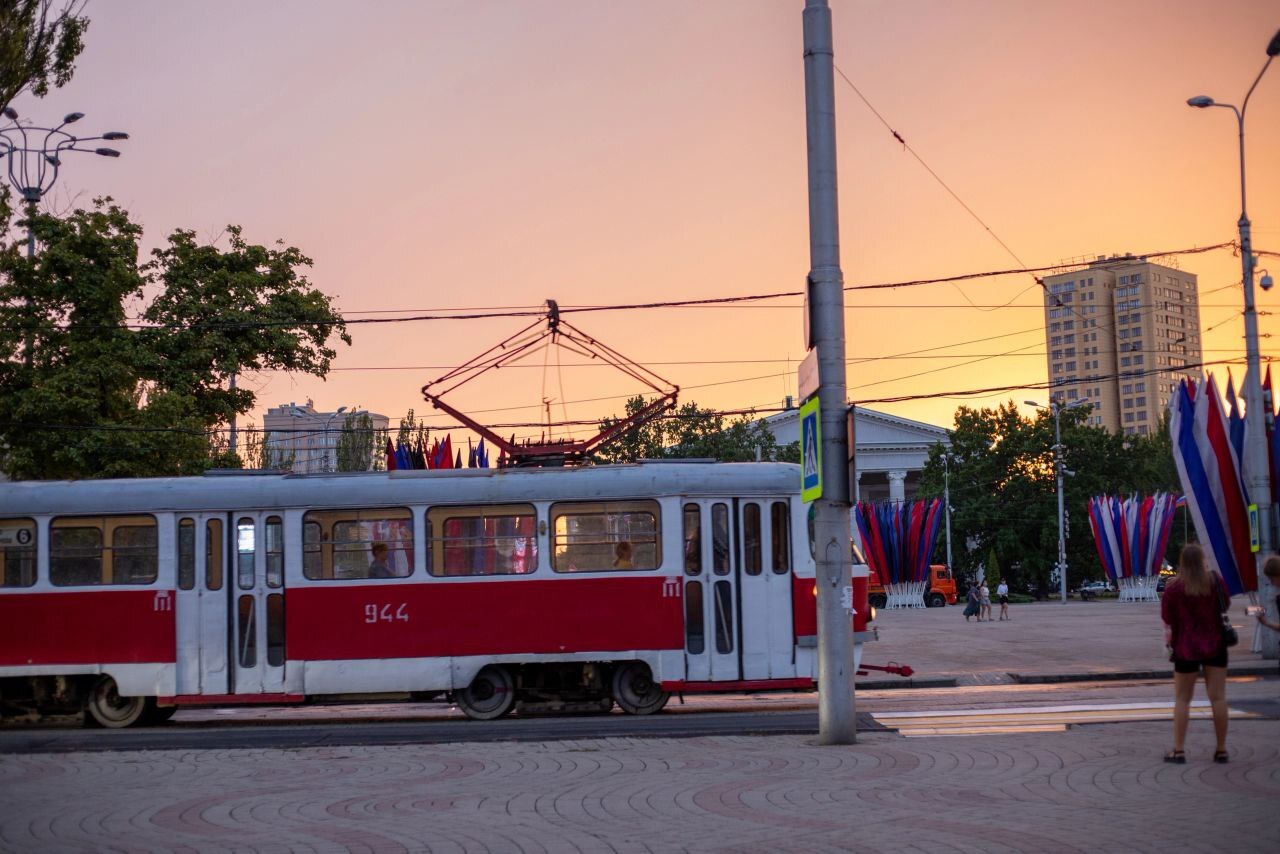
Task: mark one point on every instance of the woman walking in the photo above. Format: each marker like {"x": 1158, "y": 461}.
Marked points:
{"x": 1192, "y": 608}
{"x": 973, "y": 605}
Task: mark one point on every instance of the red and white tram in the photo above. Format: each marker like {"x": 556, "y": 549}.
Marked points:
{"x": 564, "y": 588}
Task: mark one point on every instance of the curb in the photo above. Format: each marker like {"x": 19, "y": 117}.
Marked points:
{"x": 1129, "y": 675}
{"x": 925, "y": 682}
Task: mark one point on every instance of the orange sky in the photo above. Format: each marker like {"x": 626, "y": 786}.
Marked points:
{"x": 498, "y": 153}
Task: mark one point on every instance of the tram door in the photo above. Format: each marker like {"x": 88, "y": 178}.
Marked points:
{"x": 763, "y": 539}
{"x": 710, "y": 595}
{"x": 256, "y": 643}
{"x": 202, "y": 605}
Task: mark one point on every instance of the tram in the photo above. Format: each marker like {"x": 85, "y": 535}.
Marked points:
{"x": 560, "y": 589}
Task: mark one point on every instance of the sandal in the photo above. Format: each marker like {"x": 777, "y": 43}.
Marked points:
{"x": 1179, "y": 757}
{"x": 1221, "y": 757}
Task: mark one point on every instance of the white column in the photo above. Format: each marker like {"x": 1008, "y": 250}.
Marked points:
{"x": 857, "y": 488}
{"x": 897, "y": 486}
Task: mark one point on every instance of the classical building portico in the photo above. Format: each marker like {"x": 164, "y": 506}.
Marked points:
{"x": 890, "y": 451}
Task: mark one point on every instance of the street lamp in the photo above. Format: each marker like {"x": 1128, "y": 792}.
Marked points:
{"x": 324, "y": 431}
{"x": 1257, "y": 474}
{"x": 946, "y": 503}
{"x": 1060, "y": 467}
{"x": 34, "y": 156}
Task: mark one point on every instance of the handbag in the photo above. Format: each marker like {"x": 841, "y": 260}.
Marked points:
{"x": 1229, "y": 635}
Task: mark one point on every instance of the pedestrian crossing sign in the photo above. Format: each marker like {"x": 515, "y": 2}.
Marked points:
{"x": 810, "y": 451}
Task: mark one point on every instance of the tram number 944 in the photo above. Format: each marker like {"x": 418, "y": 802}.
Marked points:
{"x": 374, "y": 613}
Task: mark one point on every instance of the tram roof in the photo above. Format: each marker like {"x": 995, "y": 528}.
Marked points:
{"x": 217, "y": 491}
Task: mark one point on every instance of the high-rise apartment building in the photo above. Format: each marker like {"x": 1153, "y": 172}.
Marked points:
{"x": 1120, "y": 333}
{"x": 305, "y": 440}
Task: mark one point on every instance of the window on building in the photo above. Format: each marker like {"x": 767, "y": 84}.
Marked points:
{"x": 18, "y": 549}
{"x": 103, "y": 550}
{"x": 605, "y": 536}
{"x": 342, "y": 545}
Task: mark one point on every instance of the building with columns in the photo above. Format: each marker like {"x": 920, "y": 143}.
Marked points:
{"x": 890, "y": 451}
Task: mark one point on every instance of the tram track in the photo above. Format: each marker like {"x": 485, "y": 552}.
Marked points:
{"x": 927, "y": 712}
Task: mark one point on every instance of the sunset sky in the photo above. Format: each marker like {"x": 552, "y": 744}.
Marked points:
{"x": 495, "y": 153}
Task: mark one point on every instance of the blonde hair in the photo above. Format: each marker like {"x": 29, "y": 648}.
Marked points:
{"x": 1192, "y": 571}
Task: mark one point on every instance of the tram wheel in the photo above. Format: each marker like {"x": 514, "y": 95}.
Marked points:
{"x": 489, "y": 696}
{"x": 106, "y": 708}
{"x": 635, "y": 691}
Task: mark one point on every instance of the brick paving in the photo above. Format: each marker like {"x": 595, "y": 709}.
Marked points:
{"x": 1100, "y": 637}
{"x": 1089, "y": 789}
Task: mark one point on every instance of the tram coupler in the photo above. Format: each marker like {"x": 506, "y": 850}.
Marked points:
{"x": 893, "y": 667}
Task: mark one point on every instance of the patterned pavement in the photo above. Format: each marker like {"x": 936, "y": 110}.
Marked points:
{"x": 1089, "y": 788}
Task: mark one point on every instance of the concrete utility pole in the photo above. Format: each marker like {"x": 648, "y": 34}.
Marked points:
{"x": 1060, "y": 467}
{"x": 836, "y": 723}
{"x": 1256, "y": 466}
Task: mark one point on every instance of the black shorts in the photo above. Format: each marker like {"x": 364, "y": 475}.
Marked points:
{"x": 1004, "y": 600}
{"x": 1183, "y": 665}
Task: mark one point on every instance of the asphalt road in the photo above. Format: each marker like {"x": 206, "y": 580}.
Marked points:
{"x": 768, "y": 714}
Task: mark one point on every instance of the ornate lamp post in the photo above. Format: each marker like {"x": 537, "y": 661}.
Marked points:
{"x": 33, "y": 156}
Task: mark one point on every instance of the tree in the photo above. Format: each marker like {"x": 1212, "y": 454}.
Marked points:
{"x": 39, "y": 43}
{"x": 1004, "y": 487}
{"x": 689, "y": 432}
{"x": 102, "y": 398}
{"x": 355, "y": 449}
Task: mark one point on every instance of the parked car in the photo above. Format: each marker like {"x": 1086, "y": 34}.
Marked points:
{"x": 1094, "y": 588}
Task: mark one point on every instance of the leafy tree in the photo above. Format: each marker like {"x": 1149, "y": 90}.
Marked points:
{"x": 356, "y": 448}
{"x": 102, "y": 399}
{"x": 1004, "y": 488}
{"x": 261, "y": 453}
{"x": 689, "y": 432}
{"x": 39, "y": 43}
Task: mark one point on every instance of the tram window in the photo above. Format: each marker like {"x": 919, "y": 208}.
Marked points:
{"x": 275, "y": 629}
{"x": 695, "y": 637}
{"x": 245, "y": 546}
{"x": 752, "y": 559}
{"x": 724, "y": 616}
{"x": 18, "y": 548}
{"x": 111, "y": 550}
{"x": 693, "y": 541}
{"x": 247, "y": 636}
{"x": 720, "y": 539}
{"x": 605, "y": 536}
{"x": 496, "y": 540}
{"x": 275, "y": 551}
{"x": 780, "y": 528}
{"x": 341, "y": 545}
{"x": 186, "y": 554}
{"x": 213, "y": 555}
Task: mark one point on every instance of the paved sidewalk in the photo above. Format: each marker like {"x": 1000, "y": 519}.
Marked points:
{"x": 1090, "y": 789}
{"x": 1046, "y": 641}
